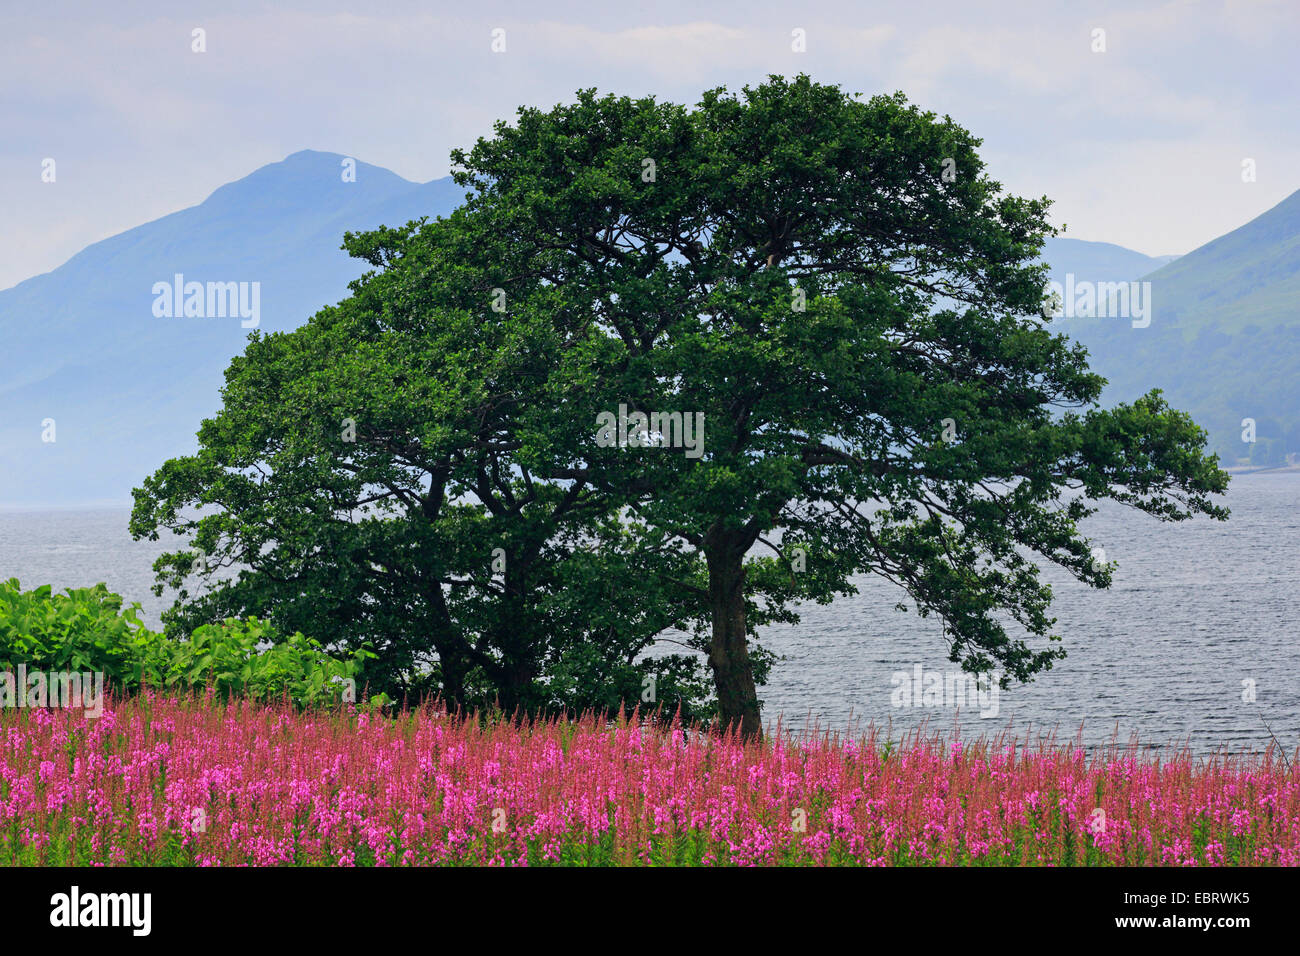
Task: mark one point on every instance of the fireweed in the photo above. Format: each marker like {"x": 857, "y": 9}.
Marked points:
{"x": 157, "y": 780}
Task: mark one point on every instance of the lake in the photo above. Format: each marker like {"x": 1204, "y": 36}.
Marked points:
{"x": 1201, "y": 617}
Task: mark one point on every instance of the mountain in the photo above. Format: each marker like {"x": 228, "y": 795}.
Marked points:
{"x": 1223, "y": 339}
{"x": 127, "y": 388}
{"x": 1098, "y": 261}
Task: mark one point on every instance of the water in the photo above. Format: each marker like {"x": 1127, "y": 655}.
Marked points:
{"x": 1195, "y": 609}
{"x": 73, "y": 549}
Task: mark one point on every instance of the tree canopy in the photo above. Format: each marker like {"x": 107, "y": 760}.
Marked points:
{"x": 831, "y": 288}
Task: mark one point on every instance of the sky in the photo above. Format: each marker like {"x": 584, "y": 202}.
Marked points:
{"x": 1141, "y": 143}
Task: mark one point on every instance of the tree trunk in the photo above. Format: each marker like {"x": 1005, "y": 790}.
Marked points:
{"x": 733, "y": 676}
{"x": 454, "y": 668}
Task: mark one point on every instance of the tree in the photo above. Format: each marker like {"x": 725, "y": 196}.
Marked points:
{"x": 852, "y": 304}
{"x": 835, "y": 286}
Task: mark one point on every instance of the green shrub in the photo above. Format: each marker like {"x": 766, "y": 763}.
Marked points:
{"x": 86, "y": 629}
{"x": 230, "y": 658}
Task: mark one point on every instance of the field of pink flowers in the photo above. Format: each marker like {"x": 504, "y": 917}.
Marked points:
{"x": 190, "y": 782}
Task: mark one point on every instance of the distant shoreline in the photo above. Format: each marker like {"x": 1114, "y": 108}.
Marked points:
{"x": 1252, "y": 470}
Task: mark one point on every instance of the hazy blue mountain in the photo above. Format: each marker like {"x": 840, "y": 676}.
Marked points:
{"x": 127, "y": 389}
{"x": 1098, "y": 261}
{"x": 1223, "y": 340}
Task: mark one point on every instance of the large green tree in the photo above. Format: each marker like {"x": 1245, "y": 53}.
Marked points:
{"x": 835, "y": 285}
{"x": 851, "y": 303}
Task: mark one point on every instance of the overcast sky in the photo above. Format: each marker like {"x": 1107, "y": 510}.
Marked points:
{"x": 1141, "y": 145}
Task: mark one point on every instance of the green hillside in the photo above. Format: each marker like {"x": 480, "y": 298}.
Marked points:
{"x": 1224, "y": 337}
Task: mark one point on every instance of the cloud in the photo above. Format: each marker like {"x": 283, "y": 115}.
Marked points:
{"x": 147, "y": 126}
